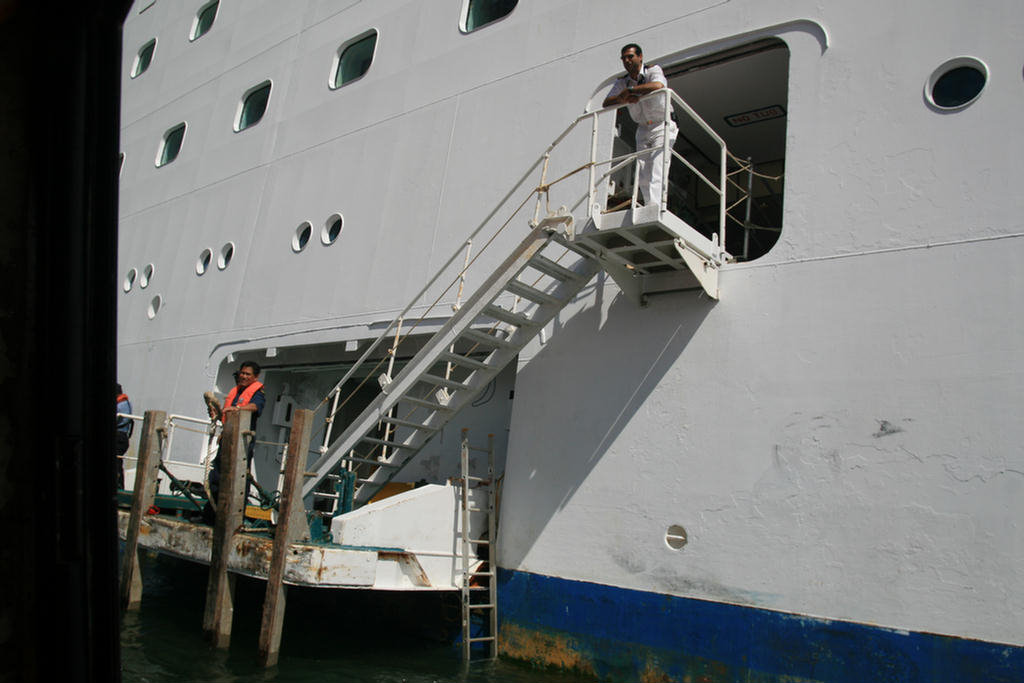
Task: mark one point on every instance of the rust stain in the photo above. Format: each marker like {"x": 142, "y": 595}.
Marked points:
{"x": 544, "y": 649}
{"x": 653, "y": 674}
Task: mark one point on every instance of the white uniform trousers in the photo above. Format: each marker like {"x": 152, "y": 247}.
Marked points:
{"x": 652, "y": 165}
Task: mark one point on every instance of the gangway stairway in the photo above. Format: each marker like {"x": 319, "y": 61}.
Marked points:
{"x": 485, "y": 334}
{"x": 646, "y": 249}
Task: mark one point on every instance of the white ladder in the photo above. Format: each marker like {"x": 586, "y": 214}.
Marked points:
{"x": 483, "y": 336}
{"x": 471, "y": 550}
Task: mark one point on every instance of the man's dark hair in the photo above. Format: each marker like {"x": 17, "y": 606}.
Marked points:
{"x": 119, "y": 390}
{"x": 634, "y": 46}
{"x": 253, "y": 365}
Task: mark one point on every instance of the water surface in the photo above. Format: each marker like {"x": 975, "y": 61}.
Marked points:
{"x": 328, "y": 636}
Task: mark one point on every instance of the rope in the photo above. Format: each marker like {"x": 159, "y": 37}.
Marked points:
{"x": 748, "y": 167}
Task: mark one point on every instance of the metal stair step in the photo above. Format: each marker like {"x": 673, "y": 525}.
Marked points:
{"x": 510, "y": 317}
{"x": 369, "y": 461}
{"x": 465, "y": 361}
{"x": 398, "y": 422}
{"x": 532, "y": 293}
{"x": 489, "y": 339}
{"x": 439, "y": 381}
{"x": 426, "y": 403}
{"x": 389, "y": 444}
{"x": 555, "y": 270}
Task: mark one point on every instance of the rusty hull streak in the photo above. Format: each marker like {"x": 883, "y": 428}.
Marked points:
{"x": 251, "y": 554}
{"x": 543, "y": 649}
{"x": 653, "y": 674}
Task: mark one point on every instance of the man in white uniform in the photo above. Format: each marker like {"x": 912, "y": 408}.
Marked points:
{"x": 641, "y": 79}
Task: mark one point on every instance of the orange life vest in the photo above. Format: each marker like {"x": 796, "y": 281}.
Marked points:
{"x": 246, "y": 396}
{"x": 121, "y": 397}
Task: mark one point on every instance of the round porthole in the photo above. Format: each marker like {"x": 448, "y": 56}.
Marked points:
{"x": 146, "y": 276}
{"x": 203, "y": 262}
{"x": 154, "y": 306}
{"x": 226, "y": 252}
{"x": 675, "y": 537}
{"x": 301, "y": 237}
{"x": 332, "y": 228}
{"x": 956, "y": 84}
{"x": 129, "y": 280}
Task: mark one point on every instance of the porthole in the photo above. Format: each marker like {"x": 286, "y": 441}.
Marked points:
{"x": 332, "y": 228}
{"x": 253, "y": 106}
{"x": 129, "y": 280}
{"x": 479, "y": 13}
{"x": 675, "y": 537}
{"x": 226, "y": 252}
{"x": 956, "y": 84}
{"x": 353, "y": 59}
{"x": 301, "y": 236}
{"x": 203, "y": 262}
{"x": 203, "y": 20}
{"x": 143, "y": 58}
{"x": 154, "y": 306}
{"x": 146, "y": 276}
{"x": 170, "y": 145}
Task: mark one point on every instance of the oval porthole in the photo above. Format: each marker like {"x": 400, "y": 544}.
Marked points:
{"x": 956, "y": 83}
{"x": 332, "y": 228}
{"x": 353, "y": 59}
{"x": 143, "y": 58}
{"x": 675, "y": 537}
{"x": 154, "y": 306}
{"x": 253, "y": 106}
{"x": 170, "y": 145}
{"x": 301, "y": 237}
{"x": 203, "y": 262}
{"x": 129, "y": 280}
{"x": 226, "y": 252}
{"x": 146, "y": 276}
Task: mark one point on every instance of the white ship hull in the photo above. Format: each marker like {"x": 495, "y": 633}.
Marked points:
{"x": 838, "y": 436}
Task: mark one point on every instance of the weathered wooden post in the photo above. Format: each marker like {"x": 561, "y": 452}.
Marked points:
{"x": 143, "y": 495}
{"x": 291, "y": 527}
{"x": 220, "y": 587}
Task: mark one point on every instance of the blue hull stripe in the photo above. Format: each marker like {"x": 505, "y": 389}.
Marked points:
{"x": 626, "y": 635}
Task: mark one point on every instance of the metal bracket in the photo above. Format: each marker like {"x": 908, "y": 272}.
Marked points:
{"x": 560, "y": 221}
{"x": 704, "y": 270}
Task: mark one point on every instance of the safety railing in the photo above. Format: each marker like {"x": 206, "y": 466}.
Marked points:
{"x": 179, "y": 422}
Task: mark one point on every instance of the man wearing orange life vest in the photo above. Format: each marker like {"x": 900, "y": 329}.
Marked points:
{"x": 247, "y": 394}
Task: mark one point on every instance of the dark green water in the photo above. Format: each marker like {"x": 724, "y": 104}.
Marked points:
{"x": 328, "y": 636}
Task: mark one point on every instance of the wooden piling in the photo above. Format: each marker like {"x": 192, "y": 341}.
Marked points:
{"x": 143, "y": 495}
{"x": 220, "y": 587}
{"x": 291, "y": 526}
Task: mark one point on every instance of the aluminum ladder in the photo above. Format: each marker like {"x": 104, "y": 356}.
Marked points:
{"x": 461, "y": 359}
{"x": 481, "y": 582}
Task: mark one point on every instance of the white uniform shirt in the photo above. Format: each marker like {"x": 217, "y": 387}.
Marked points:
{"x": 650, "y": 111}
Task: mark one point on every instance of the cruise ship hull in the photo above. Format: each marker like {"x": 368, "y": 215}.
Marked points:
{"x": 807, "y": 467}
